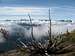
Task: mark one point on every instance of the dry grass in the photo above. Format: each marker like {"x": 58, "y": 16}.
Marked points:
{"x": 62, "y": 45}
{"x": 58, "y": 46}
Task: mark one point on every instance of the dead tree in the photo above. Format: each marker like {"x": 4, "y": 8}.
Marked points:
{"x": 31, "y": 25}
{"x": 52, "y": 46}
{"x": 5, "y": 33}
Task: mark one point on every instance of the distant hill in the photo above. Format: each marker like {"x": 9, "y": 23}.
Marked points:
{"x": 65, "y": 20}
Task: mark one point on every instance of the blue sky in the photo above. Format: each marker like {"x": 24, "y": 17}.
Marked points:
{"x": 43, "y": 3}
{"x": 60, "y": 9}
{"x": 31, "y": 3}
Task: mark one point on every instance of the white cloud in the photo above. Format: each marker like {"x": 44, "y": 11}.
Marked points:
{"x": 39, "y": 13}
{"x": 33, "y": 11}
{"x": 2, "y": 39}
{"x": 21, "y": 10}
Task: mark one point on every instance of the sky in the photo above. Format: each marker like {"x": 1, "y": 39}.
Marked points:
{"x": 38, "y": 9}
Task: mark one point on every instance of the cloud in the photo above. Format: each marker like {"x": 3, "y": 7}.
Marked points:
{"x": 35, "y": 12}
{"x": 63, "y": 12}
{"x": 39, "y": 12}
{"x": 2, "y": 39}
{"x": 21, "y": 10}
